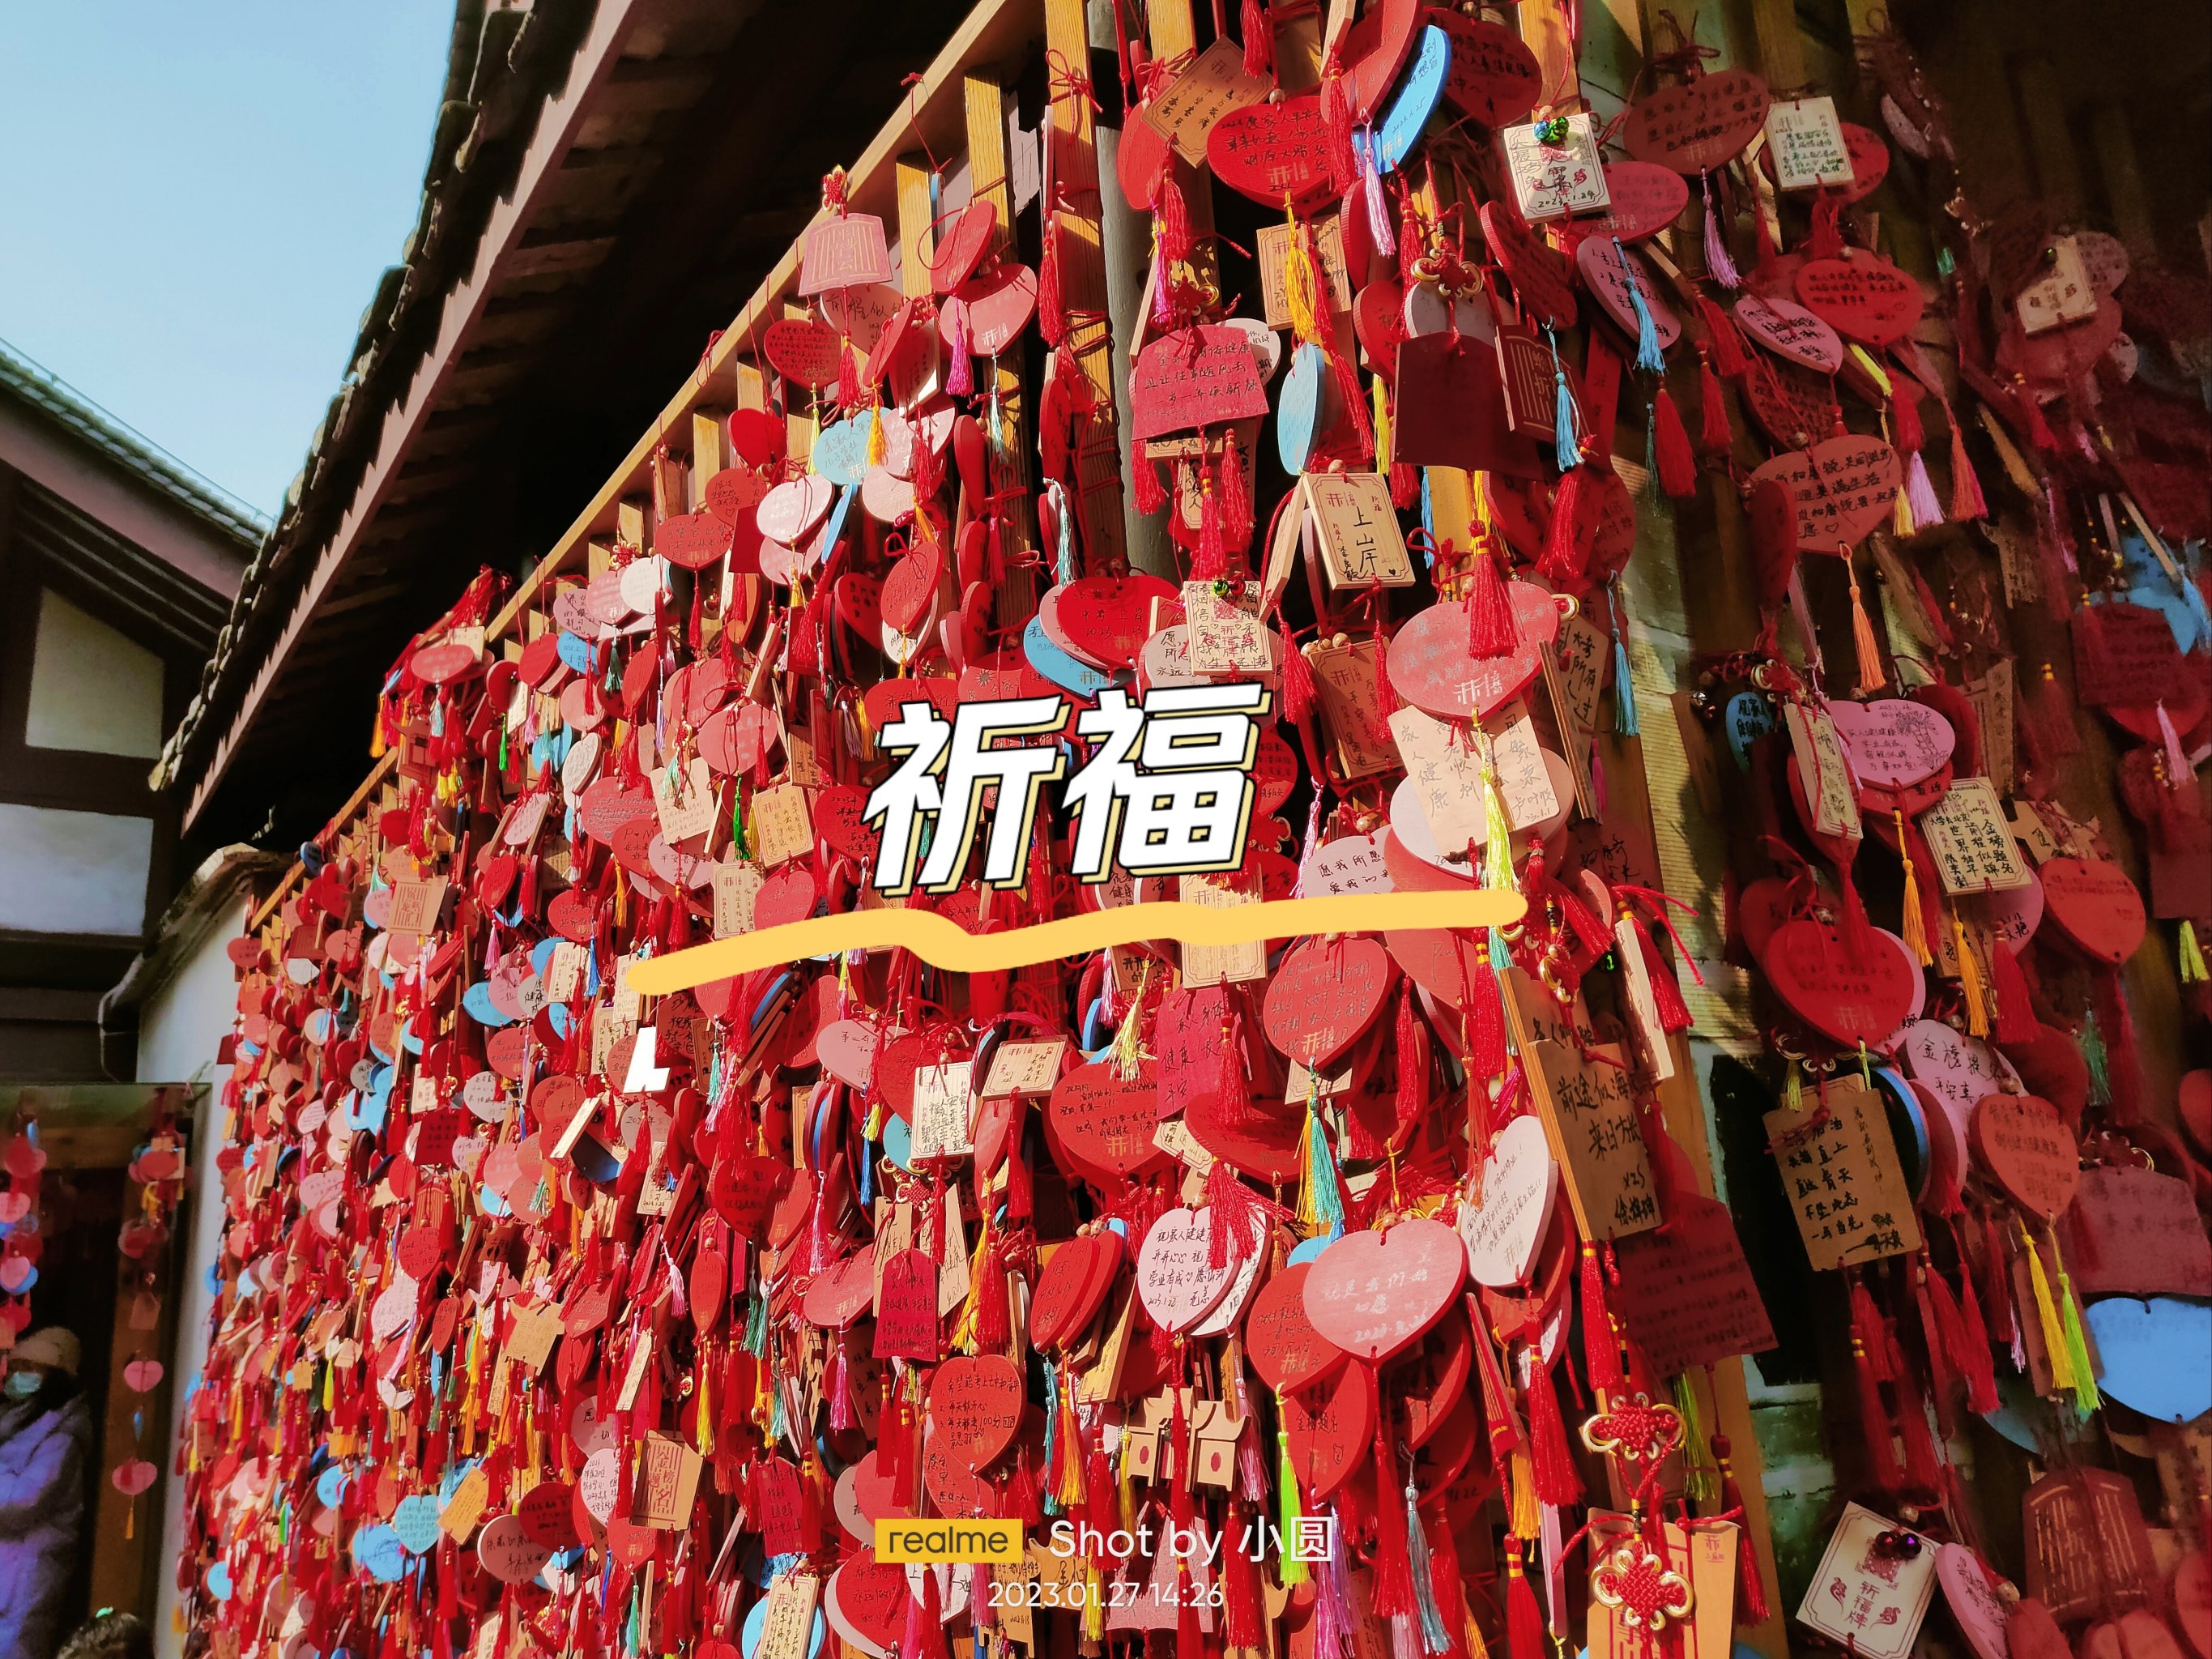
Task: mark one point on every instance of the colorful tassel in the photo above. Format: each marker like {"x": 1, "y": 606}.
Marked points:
{"x": 2190, "y": 953}
{"x": 1715, "y": 436}
{"x": 1291, "y": 1570}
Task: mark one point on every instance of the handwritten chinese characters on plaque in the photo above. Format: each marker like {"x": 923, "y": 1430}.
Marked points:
{"x": 1840, "y": 1173}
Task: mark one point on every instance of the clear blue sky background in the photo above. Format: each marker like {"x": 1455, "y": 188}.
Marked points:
{"x": 196, "y": 202}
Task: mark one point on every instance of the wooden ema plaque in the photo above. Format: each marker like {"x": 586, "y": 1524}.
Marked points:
{"x": 1841, "y": 1176}
{"x": 1590, "y": 1115}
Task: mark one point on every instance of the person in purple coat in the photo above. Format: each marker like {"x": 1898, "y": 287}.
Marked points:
{"x": 44, "y": 1435}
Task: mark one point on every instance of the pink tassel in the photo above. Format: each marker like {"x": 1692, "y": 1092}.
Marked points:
{"x": 1718, "y": 265}
{"x": 1920, "y": 495}
{"x": 959, "y": 369}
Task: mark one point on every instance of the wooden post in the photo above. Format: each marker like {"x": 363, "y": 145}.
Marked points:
{"x": 917, "y": 237}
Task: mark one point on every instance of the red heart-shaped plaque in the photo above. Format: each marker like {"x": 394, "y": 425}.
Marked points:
{"x": 1861, "y": 296}
{"x": 1072, "y": 1285}
{"x": 1841, "y": 489}
{"x": 1176, "y": 1279}
{"x": 870, "y": 1596}
{"x": 1106, "y": 1121}
{"x": 1645, "y": 199}
{"x": 2028, "y": 1151}
{"x": 1493, "y": 77}
{"x": 803, "y": 350}
{"x": 2095, "y": 906}
{"x": 1431, "y": 667}
{"x": 1329, "y": 1428}
{"x": 1847, "y": 998}
{"x": 1280, "y": 1341}
{"x": 1108, "y": 618}
{"x": 1266, "y": 150}
{"x": 1374, "y": 1294}
{"x": 1540, "y": 275}
{"x": 1263, "y": 1145}
{"x": 910, "y": 588}
{"x": 1000, "y": 306}
{"x": 132, "y": 1477}
{"x": 1325, "y": 994}
{"x": 692, "y": 540}
{"x": 1699, "y": 126}
{"x": 1600, "y": 265}
{"x": 975, "y": 1404}
{"x": 143, "y": 1376}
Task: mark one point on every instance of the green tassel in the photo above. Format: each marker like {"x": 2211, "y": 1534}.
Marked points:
{"x": 1701, "y": 1479}
{"x": 1293, "y": 1570}
{"x": 2093, "y": 1054}
{"x": 1319, "y": 1206}
{"x": 2087, "y": 1397}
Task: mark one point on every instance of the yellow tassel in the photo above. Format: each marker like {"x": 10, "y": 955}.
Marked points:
{"x": 1900, "y": 516}
{"x": 2047, "y": 1313}
{"x": 1916, "y": 924}
{"x": 706, "y": 1436}
{"x": 1382, "y": 427}
{"x": 1970, "y": 982}
{"x": 877, "y": 447}
{"x": 376, "y": 745}
{"x": 2192, "y": 958}
{"x": 1301, "y": 283}
{"x": 1793, "y": 1090}
{"x": 2087, "y": 1397}
{"x": 1522, "y": 1515}
{"x": 1871, "y": 678}
{"x": 1874, "y": 371}
{"x": 622, "y": 899}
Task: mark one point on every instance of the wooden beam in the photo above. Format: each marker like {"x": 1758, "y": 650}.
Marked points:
{"x": 916, "y": 235}
{"x": 1073, "y": 172}
{"x": 985, "y": 101}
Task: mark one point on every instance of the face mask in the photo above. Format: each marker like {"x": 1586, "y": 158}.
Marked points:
{"x": 21, "y": 1385}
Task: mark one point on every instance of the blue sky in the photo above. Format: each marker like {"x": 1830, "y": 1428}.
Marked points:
{"x": 197, "y": 201}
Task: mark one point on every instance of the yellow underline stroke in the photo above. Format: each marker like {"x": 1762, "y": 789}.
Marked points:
{"x": 942, "y": 942}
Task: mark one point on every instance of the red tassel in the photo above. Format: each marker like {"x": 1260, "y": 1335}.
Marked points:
{"x": 1445, "y": 1586}
{"x": 1966, "y": 499}
{"x": 1559, "y": 1483}
{"x": 1966, "y": 1343}
{"x": 1524, "y": 1619}
{"x": 1236, "y": 502}
{"x": 1715, "y": 436}
{"x": 1231, "y": 1082}
{"x": 1187, "y": 1635}
{"x": 1721, "y": 336}
{"x": 1773, "y": 541}
{"x": 991, "y": 1319}
{"x": 1051, "y": 307}
{"x": 2046, "y": 720}
{"x": 1924, "y": 1470}
{"x": 1392, "y": 1589}
{"x": 1905, "y": 428}
{"x": 1870, "y": 1357}
{"x": 1486, "y": 1022}
{"x": 1211, "y": 562}
{"x": 2016, "y": 1020}
{"x": 1940, "y": 1345}
{"x": 1666, "y": 990}
{"x": 924, "y": 1624}
{"x": 1022, "y": 1501}
{"x": 1826, "y": 240}
{"x": 1412, "y": 1102}
{"x": 1678, "y": 467}
{"x": 1298, "y": 677}
{"x": 1566, "y": 547}
{"x": 1491, "y": 631}
{"x": 1750, "y": 1609}
{"x": 2123, "y": 1071}
{"x": 1151, "y": 495}
{"x": 1601, "y": 1344}
{"x": 1174, "y": 219}
{"x": 1405, "y": 486}
{"x": 848, "y": 377}
{"x": 1240, "y": 1578}
{"x": 1336, "y": 132}
{"x": 1240, "y": 1219}
{"x": 1260, "y": 64}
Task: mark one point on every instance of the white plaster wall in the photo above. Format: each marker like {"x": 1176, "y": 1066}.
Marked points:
{"x": 179, "y": 1025}
{"x": 73, "y": 872}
